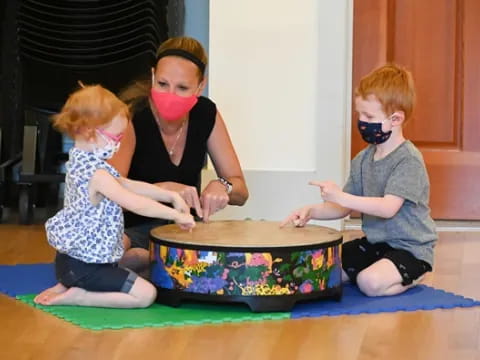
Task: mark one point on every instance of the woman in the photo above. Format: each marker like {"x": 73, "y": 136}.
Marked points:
{"x": 172, "y": 131}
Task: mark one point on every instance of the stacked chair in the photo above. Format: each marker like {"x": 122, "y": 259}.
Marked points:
{"x": 107, "y": 42}
{"x": 11, "y": 119}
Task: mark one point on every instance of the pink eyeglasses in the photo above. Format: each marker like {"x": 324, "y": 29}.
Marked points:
{"x": 115, "y": 138}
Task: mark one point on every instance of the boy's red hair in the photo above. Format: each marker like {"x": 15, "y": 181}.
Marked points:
{"x": 393, "y": 86}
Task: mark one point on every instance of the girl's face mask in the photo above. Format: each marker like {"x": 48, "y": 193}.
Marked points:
{"x": 112, "y": 145}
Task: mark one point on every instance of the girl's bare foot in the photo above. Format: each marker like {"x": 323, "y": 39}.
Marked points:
{"x": 45, "y": 296}
{"x": 72, "y": 296}
{"x": 60, "y": 296}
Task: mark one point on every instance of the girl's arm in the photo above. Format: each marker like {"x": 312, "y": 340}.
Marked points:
{"x": 104, "y": 183}
{"x": 155, "y": 192}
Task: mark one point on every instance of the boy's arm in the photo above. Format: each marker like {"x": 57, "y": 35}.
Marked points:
{"x": 385, "y": 207}
{"x": 104, "y": 183}
{"x": 324, "y": 211}
{"x": 328, "y": 211}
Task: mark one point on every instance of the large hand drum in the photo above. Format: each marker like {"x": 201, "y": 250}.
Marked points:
{"x": 254, "y": 262}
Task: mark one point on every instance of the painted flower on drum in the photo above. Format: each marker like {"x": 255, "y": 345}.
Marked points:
{"x": 306, "y": 287}
{"x": 206, "y": 285}
{"x": 177, "y": 273}
{"x": 264, "y": 289}
{"x": 317, "y": 259}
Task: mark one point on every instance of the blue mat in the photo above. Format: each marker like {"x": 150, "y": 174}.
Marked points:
{"x": 27, "y": 279}
{"x": 420, "y": 297}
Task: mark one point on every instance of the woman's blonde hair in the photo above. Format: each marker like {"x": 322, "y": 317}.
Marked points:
{"x": 136, "y": 93}
{"x": 89, "y": 107}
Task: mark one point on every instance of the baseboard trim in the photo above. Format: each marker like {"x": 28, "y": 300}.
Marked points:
{"x": 442, "y": 225}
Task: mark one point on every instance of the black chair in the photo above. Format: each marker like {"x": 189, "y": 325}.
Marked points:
{"x": 10, "y": 99}
{"x": 109, "y": 42}
{"x": 85, "y": 38}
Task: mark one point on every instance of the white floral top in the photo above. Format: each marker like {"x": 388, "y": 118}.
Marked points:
{"x": 87, "y": 232}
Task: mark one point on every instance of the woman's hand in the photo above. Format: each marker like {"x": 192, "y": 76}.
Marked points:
{"x": 214, "y": 198}
{"x": 299, "y": 217}
{"x": 188, "y": 193}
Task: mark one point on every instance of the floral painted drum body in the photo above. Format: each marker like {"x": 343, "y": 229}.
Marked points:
{"x": 254, "y": 262}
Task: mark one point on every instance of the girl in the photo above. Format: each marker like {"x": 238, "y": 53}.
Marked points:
{"x": 87, "y": 232}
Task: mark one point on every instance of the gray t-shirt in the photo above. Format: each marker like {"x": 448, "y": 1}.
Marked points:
{"x": 401, "y": 173}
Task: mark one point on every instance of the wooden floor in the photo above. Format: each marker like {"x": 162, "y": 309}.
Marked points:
{"x": 27, "y": 333}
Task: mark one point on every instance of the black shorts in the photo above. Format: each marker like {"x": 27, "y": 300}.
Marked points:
{"x": 140, "y": 235}
{"x": 359, "y": 254}
{"x": 71, "y": 272}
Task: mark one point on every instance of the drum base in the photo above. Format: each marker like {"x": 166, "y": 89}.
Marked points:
{"x": 266, "y": 303}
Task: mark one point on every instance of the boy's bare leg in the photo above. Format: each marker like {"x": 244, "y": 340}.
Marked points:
{"x": 382, "y": 279}
{"x": 142, "y": 294}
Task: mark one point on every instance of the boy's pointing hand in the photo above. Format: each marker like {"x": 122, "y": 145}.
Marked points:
{"x": 328, "y": 190}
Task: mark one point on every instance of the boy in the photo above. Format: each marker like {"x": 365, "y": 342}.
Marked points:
{"x": 389, "y": 185}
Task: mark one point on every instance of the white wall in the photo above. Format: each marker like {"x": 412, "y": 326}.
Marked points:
{"x": 280, "y": 73}
{"x": 197, "y": 24}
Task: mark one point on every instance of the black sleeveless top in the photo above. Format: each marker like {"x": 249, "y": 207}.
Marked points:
{"x": 151, "y": 161}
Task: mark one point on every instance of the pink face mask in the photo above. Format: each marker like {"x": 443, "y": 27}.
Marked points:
{"x": 170, "y": 106}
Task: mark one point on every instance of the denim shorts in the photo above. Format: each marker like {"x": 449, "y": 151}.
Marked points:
{"x": 359, "y": 254}
{"x": 72, "y": 272}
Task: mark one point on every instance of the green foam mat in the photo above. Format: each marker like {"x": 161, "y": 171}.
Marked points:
{"x": 155, "y": 316}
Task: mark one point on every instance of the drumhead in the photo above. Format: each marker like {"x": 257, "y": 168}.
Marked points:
{"x": 245, "y": 234}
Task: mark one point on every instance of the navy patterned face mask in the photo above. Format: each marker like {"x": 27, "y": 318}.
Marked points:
{"x": 372, "y": 133}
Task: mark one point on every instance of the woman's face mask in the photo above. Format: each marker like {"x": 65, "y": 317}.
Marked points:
{"x": 170, "y": 106}
{"x": 169, "y": 103}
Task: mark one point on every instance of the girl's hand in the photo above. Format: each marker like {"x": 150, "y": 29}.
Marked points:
{"x": 188, "y": 193}
{"x": 179, "y": 204}
{"x": 185, "y": 221}
{"x": 214, "y": 198}
{"x": 298, "y": 218}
